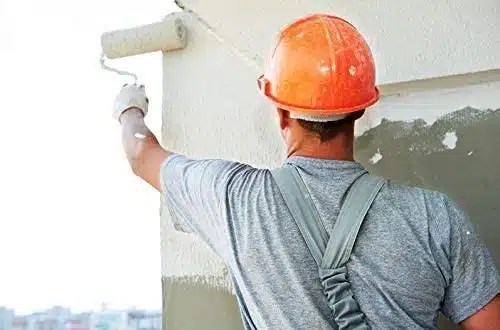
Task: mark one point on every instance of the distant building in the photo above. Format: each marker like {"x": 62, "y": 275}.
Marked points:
{"x": 27, "y": 322}
{"x": 52, "y": 319}
{"x": 81, "y": 321}
{"x": 144, "y": 320}
{"x": 59, "y": 318}
{"x": 19, "y": 323}
{"x": 6, "y": 318}
{"x": 110, "y": 320}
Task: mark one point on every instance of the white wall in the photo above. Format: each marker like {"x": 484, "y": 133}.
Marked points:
{"x": 212, "y": 107}
{"x": 412, "y": 39}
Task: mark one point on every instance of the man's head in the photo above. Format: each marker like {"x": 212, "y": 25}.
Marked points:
{"x": 321, "y": 77}
{"x": 305, "y": 134}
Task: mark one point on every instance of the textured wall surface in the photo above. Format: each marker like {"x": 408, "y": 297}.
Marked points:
{"x": 442, "y": 138}
{"x": 413, "y": 39}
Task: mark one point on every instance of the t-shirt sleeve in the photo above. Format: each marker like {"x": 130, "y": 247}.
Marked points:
{"x": 195, "y": 193}
{"x": 473, "y": 280}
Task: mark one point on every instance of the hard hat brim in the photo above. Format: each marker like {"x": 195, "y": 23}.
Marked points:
{"x": 263, "y": 84}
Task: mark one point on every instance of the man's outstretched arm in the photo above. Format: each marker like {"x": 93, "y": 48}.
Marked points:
{"x": 144, "y": 153}
{"x": 195, "y": 191}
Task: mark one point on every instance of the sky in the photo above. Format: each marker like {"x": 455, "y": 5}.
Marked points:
{"x": 77, "y": 228}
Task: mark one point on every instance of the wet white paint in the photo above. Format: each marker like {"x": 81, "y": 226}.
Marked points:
{"x": 450, "y": 140}
{"x": 376, "y": 157}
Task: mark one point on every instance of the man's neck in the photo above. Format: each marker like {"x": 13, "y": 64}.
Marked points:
{"x": 339, "y": 148}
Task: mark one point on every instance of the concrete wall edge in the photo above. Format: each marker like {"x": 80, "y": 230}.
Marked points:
{"x": 437, "y": 83}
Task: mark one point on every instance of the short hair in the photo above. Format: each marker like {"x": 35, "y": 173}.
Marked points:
{"x": 327, "y": 131}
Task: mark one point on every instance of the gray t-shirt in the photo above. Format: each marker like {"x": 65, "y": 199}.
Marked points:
{"x": 416, "y": 253}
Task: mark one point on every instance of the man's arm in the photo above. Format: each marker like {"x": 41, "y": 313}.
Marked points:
{"x": 487, "y": 318}
{"x": 195, "y": 191}
{"x": 473, "y": 282}
{"x": 144, "y": 153}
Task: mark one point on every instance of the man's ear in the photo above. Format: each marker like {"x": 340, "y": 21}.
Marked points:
{"x": 284, "y": 118}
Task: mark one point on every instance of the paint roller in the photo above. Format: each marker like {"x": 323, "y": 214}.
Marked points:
{"x": 167, "y": 35}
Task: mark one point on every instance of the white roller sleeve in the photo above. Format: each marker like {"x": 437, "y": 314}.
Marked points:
{"x": 167, "y": 35}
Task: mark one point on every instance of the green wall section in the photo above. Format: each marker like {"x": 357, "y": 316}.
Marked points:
{"x": 187, "y": 306}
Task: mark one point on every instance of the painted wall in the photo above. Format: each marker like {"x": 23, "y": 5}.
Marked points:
{"x": 412, "y": 39}
{"x": 441, "y": 138}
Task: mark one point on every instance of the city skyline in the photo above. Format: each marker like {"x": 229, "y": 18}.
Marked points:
{"x": 100, "y": 307}
{"x": 61, "y": 318}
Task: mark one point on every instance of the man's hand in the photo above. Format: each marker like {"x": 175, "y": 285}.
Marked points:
{"x": 144, "y": 153}
{"x": 131, "y": 96}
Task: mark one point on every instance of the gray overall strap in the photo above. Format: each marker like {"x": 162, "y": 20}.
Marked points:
{"x": 358, "y": 201}
{"x": 332, "y": 270}
{"x": 299, "y": 203}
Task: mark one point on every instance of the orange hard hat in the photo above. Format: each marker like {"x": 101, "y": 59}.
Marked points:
{"x": 320, "y": 65}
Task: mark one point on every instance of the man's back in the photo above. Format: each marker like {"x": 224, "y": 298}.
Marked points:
{"x": 415, "y": 254}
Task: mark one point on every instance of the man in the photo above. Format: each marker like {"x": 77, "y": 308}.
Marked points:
{"x": 416, "y": 252}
